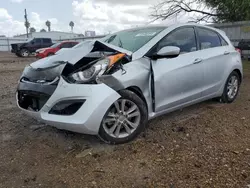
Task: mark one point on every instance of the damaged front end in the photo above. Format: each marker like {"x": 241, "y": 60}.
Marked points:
{"x": 81, "y": 66}
{"x": 70, "y": 84}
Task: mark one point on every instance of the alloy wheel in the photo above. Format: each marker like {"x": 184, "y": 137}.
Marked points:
{"x": 25, "y": 53}
{"x": 122, "y": 119}
{"x": 232, "y": 87}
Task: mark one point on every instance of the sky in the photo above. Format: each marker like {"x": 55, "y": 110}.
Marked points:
{"x": 102, "y": 16}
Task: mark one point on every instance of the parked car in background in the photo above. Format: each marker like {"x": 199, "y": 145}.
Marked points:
{"x": 79, "y": 45}
{"x": 113, "y": 86}
{"x": 244, "y": 47}
{"x": 29, "y": 47}
{"x": 82, "y": 44}
{"x": 45, "y": 52}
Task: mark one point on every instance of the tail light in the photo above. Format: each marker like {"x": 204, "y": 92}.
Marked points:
{"x": 238, "y": 50}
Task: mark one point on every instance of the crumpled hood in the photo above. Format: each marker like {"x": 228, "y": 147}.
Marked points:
{"x": 73, "y": 55}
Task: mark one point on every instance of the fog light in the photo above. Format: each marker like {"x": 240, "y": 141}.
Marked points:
{"x": 67, "y": 108}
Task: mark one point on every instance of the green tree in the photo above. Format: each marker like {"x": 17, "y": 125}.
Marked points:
{"x": 48, "y": 24}
{"x": 230, "y": 10}
{"x": 27, "y": 25}
{"x": 32, "y": 30}
{"x": 72, "y": 24}
{"x": 204, "y": 10}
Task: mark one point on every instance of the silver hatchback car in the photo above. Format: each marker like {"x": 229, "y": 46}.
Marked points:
{"x": 111, "y": 87}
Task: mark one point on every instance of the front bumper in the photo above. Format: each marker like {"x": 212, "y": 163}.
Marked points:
{"x": 14, "y": 51}
{"x": 87, "y": 119}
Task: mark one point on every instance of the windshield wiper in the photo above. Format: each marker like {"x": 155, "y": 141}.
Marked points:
{"x": 110, "y": 39}
{"x": 120, "y": 43}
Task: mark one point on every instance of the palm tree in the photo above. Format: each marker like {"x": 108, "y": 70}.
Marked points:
{"x": 42, "y": 30}
{"x": 71, "y": 24}
{"x": 32, "y": 30}
{"x": 48, "y": 24}
{"x": 27, "y": 25}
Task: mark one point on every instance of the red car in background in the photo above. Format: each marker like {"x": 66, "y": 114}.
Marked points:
{"x": 45, "y": 52}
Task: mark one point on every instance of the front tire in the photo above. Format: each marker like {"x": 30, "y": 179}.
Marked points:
{"x": 18, "y": 55}
{"x": 231, "y": 89}
{"x": 125, "y": 119}
{"x": 24, "y": 53}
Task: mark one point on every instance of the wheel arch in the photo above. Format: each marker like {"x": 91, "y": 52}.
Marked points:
{"x": 138, "y": 92}
{"x": 24, "y": 48}
{"x": 239, "y": 73}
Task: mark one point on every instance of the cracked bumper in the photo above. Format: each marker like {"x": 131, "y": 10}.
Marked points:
{"x": 87, "y": 119}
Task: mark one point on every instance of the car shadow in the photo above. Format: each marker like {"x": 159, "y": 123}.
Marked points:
{"x": 81, "y": 141}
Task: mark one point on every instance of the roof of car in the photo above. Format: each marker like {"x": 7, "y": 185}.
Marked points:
{"x": 163, "y": 26}
{"x": 68, "y": 41}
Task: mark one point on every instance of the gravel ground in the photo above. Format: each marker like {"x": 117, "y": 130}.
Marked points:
{"x": 205, "y": 145}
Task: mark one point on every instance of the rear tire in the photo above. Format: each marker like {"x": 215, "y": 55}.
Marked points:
{"x": 124, "y": 120}
{"x": 231, "y": 88}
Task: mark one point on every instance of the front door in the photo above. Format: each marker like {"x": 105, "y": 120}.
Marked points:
{"x": 178, "y": 80}
{"x": 36, "y": 44}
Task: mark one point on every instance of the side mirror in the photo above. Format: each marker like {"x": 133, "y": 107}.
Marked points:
{"x": 168, "y": 51}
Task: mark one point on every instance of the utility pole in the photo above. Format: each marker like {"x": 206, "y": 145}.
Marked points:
{"x": 27, "y": 24}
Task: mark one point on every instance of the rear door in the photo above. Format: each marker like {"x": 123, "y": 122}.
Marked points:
{"x": 178, "y": 81}
{"x": 215, "y": 54}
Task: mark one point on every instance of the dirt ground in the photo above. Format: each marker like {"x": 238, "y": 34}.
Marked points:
{"x": 205, "y": 145}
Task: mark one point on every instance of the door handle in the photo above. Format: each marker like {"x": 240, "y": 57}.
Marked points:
{"x": 197, "y": 61}
{"x": 226, "y": 53}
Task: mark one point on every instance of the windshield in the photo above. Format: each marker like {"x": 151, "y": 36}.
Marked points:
{"x": 29, "y": 40}
{"x": 133, "y": 40}
{"x": 55, "y": 45}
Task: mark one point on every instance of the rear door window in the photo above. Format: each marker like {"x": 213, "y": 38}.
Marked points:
{"x": 66, "y": 45}
{"x": 208, "y": 38}
{"x": 223, "y": 41}
{"x": 46, "y": 41}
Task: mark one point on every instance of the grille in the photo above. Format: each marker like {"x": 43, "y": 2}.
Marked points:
{"x": 32, "y": 100}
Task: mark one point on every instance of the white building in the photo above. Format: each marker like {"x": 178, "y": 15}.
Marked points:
{"x": 54, "y": 35}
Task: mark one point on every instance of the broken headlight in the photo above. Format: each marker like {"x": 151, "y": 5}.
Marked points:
{"x": 89, "y": 74}
{"x": 97, "y": 69}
